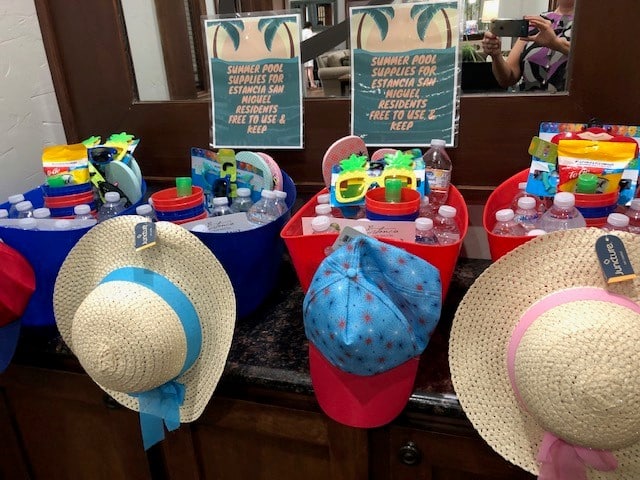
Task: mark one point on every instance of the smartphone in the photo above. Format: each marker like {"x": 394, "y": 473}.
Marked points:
{"x": 507, "y": 27}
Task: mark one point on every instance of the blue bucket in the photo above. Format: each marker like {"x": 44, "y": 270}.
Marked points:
{"x": 252, "y": 258}
{"x": 45, "y": 251}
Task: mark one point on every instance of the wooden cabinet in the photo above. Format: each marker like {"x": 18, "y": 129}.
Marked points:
{"x": 60, "y": 425}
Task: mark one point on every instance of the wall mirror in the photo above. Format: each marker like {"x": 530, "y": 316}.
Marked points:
{"x": 169, "y": 61}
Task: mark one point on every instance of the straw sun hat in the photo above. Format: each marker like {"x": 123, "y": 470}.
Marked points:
{"x": 545, "y": 359}
{"x": 151, "y": 327}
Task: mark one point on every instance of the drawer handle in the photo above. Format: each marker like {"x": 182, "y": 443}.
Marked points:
{"x": 410, "y": 454}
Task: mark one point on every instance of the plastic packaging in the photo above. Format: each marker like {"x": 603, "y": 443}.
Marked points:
{"x": 146, "y": 210}
{"x": 424, "y": 231}
{"x": 13, "y": 201}
{"x": 264, "y": 210}
{"x": 111, "y": 206}
{"x": 24, "y": 209}
{"x": 506, "y": 224}
{"x": 445, "y": 225}
{"x": 562, "y": 215}
{"x": 220, "y": 207}
{"x": 281, "y": 200}
{"x": 82, "y": 212}
{"x": 526, "y": 214}
{"x": 242, "y": 201}
{"x": 438, "y": 172}
{"x": 617, "y": 222}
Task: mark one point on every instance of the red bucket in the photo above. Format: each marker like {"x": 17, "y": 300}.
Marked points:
{"x": 167, "y": 200}
{"x": 501, "y": 198}
{"x": 307, "y": 251}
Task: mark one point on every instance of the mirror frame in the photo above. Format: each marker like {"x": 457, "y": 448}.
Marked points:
{"x": 88, "y": 54}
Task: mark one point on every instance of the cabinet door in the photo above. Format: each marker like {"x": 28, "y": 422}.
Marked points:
{"x": 240, "y": 440}
{"x": 426, "y": 455}
{"x": 66, "y": 428}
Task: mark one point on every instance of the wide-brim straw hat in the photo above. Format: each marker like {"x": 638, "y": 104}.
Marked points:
{"x": 127, "y": 337}
{"x": 543, "y": 348}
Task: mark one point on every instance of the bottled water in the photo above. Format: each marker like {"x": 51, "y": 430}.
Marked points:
{"x": 426, "y": 209}
{"x": 242, "y": 202}
{"x": 526, "y": 214}
{"x": 4, "y": 213}
{"x": 438, "y": 172}
{"x": 541, "y": 205}
{"x": 562, "y": 215}
{"x": 146, "y": 210}
{"x": 220, "y": 207}
{"x": 633, "y": 212}
{"x": 617, "y": 222}
{"x": 200, "y": 227}
{"x": 111, "y": 206}
{"x": 82, "y": 212}
{"x": 281, "y": 201}
{"x": 43, "y": 212}
{"x": 264, "y": 210}
{"x": 325, "y": 199}
{"x": 445, "y": 225}
{"x": 24, "y": 209}
{"x": 535, "y": 232}
{"x": 320, "y": 224}
{"x": 13, "y": 201}
{"x": 63, "y": 224}
{"x": 424, "y": 231}
{"x": 323, "y": 209}
{"x": 506, "y": 225}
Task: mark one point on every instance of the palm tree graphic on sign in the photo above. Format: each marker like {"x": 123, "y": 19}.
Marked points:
{"x": 425, "y": 14}
{"x": 270, "y": 27}
{"x": 379, "y": 16}
{"x": 231, "y": 27}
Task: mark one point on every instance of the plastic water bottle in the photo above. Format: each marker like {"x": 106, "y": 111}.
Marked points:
{"x": 562, "y": 215}
{"x": 541, "y": 205}
{"x": 4, "y": 213}
{"x": 633, "y": 212}
{"x": 445, "y": 225}
{"x": 242, "y": 202}
{"x": 320, "y": 224}
{"x": 264, "y": 210}
{"x": 13, "y": 201}
{"x": 24, "y": 209}
{"x": 426, "y": 209}
{"x": 535, "y": 232}
{"x": 506, "y": 225}
{"x": 526, "y": 214}
{"x": 220, "y": 207}
{"x": 111, "y": 206}
{"x": 43, "y": 212}
{"x": 438, "y": 172}
{"x": 200, "y": 227}
{"x": 146, "y": 210}
{"x": 425, "y": 234}
{"x": 323, "y": 209}
{"x": 82, "y": 212}
{"x": 281, "y": 201}
{"x": 63, "y": 224}
{"x": 325, "y": 199}
{"x": 617, "y": 222}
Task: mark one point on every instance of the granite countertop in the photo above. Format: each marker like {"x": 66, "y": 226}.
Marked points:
{"x": 270, "y": 349}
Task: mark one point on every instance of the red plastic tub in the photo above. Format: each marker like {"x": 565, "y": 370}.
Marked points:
{"x": 379, "y": 209}
{"x": 167, "y": 200}
{"x": 500, "y": 198}
{"x": 307, "y": 251}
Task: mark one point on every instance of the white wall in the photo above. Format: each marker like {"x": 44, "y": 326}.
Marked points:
{"x": 29, "y": 113}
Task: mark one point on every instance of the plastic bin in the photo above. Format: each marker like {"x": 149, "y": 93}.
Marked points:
{"x": 307, "y": 251}
{"x": 45, "y": 251}
{"x": 500, "y": 198}
{"x": 252, "y": 258}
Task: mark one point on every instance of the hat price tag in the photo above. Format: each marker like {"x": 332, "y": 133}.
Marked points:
{"x": 613, "y": 259}
{"x": 145, "y": 235}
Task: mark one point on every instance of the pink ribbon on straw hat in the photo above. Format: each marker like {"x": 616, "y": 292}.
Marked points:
{"x": 561, "y": 460}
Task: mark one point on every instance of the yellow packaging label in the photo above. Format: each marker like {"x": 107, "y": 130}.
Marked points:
{"x": 68, "y": 163}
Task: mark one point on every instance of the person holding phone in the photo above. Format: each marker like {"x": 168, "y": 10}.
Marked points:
{"x": 539, "y": 60}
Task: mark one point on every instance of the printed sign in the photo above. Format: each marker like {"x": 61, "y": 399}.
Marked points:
{"x": 404, "y": 67}
{"x": 256, "y": 88}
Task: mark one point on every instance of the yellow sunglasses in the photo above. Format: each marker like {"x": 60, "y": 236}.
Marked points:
{"x": 353, "y": 185}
